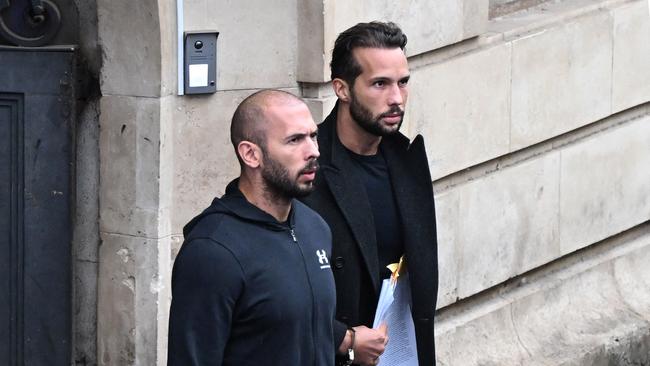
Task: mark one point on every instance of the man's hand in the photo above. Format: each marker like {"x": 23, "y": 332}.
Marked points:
{"x": 369, "y": 344}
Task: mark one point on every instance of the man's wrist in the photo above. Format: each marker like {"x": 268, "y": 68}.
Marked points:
{"x": 350, "y": 351}
{"x": 345, "y": 343}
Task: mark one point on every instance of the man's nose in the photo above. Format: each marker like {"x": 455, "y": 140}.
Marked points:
{"x": 395, "y": 96}
{"x": 312, "y": 149}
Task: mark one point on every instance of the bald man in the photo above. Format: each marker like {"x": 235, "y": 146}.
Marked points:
{"x": 252, "y": 284}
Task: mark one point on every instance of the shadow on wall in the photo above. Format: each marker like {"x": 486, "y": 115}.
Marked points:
{"x": 631, "y": 351}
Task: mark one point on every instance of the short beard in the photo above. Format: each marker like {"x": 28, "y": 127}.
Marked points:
{"x": 364, "y": 118}
{"x": 279, "y": 185}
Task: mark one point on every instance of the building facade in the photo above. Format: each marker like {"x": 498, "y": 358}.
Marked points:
{"x": 536, "y": 116}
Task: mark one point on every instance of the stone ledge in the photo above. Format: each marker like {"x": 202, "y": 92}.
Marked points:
{"x": 546, "y": 15}
{"x": 489, "y": 167}
{"x": 500, "y": 8}
{"x": 520, "y": 25}
{"x": 564, "y": 313}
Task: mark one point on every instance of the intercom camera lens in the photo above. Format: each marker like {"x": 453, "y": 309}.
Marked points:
{"x": 198, "y": 45}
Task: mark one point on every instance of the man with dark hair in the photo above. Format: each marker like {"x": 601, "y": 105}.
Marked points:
{"x": 375, "y": 192}
{"x": 252, "y": 283}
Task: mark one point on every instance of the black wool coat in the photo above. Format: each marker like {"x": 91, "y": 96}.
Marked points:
{"x": 340, "y": 198}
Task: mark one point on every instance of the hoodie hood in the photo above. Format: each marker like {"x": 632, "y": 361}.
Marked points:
{"x": 234, "y": 203}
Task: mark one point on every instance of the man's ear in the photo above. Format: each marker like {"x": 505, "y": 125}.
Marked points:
{"x": 342, "y": 89}
{"x": 250, "y": 153}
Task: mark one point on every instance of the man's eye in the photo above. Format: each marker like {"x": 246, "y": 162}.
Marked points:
{"x": 379, "y": 83}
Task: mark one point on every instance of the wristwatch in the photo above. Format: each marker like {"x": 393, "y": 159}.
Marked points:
{"x": 350, "y": 354}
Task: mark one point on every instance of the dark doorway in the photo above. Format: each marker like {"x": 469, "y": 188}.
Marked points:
{"x": 36, "y": 196}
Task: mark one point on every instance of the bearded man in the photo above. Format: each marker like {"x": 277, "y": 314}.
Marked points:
{"x": 252, "y": 283}
{"x": 375, "y": 192}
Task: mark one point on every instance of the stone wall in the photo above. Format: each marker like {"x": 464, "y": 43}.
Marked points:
{"x": 136, "y": 41}
{"x": 537, "y": 126}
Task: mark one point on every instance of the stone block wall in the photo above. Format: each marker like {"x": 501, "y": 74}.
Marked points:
{"x": 134, "y": 181}
{"x": 537, "y": 125}
{"x": 428, "y": 27}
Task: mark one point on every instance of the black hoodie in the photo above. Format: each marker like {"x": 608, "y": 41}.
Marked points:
{"x": 249, "y": 290}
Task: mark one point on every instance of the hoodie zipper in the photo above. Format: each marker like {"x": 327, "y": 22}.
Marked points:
{"x": 311, "y": 288}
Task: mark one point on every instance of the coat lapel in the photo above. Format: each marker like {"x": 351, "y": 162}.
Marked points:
{"x": 352, "y": 199}
{"x": 412, "y": 184}
{"x": 407, "y": 177}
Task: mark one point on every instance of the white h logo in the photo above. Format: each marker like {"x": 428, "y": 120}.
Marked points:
{"x": 322, "y": 259}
